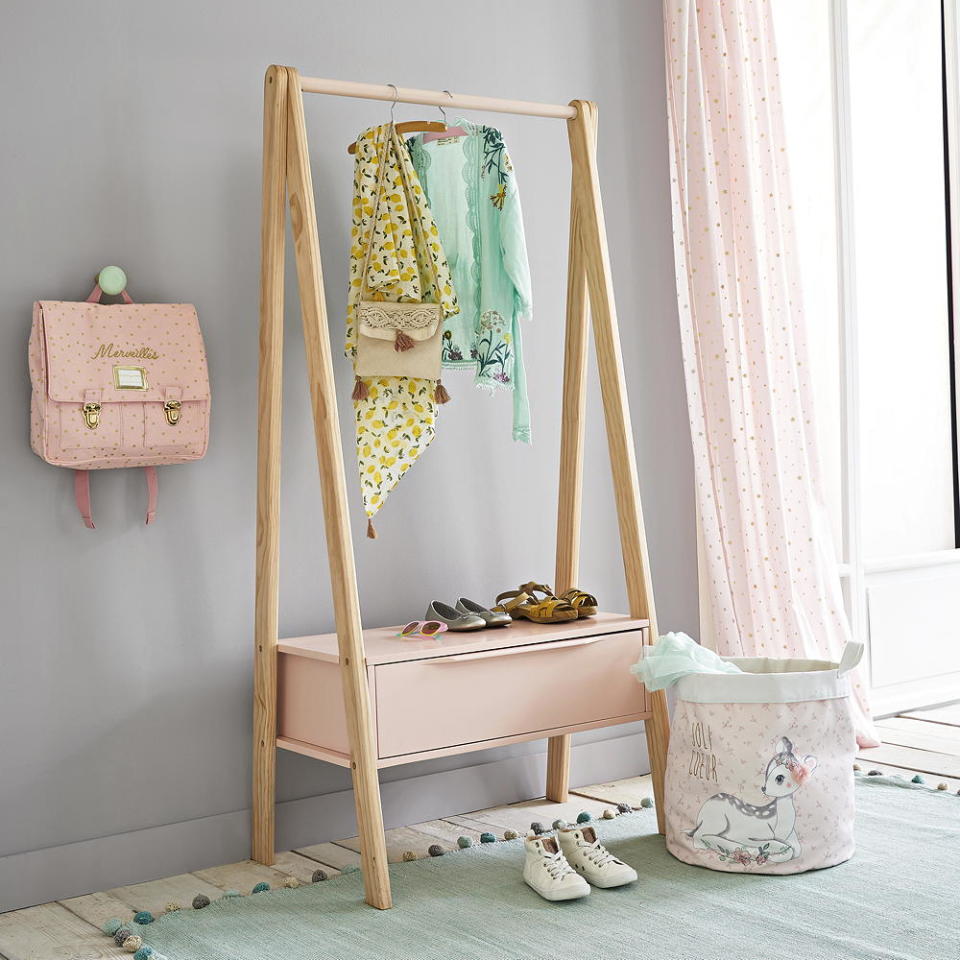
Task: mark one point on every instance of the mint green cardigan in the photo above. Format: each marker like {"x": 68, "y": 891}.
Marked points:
{"x": 472, "y": 192}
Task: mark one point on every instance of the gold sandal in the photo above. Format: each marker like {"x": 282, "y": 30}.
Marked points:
{"x": 562, "y": 607}
{"x": 584, "y": 603}
{"x": 518, "y": 603}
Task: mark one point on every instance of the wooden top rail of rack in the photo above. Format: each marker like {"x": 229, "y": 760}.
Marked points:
{"x": 435, "y": 98}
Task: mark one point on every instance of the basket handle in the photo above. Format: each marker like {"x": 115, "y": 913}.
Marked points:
{"x": 852, "y": 655}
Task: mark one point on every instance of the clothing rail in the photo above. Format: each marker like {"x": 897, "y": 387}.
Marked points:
{"x": 434, "y": 98}
{"x": 288, "y": 184}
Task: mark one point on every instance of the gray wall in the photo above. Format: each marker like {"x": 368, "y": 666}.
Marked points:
{"x": 132, "y": 135}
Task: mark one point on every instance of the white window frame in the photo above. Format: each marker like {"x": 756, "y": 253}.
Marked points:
{"x": 854, "y": 569}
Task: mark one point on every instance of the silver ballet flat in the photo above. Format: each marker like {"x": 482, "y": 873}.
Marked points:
{"x": 454, "y": 619}
{"x": 492, "y": 618}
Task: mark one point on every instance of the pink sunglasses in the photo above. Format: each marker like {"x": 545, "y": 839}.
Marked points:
{"x": 422, "y": 628}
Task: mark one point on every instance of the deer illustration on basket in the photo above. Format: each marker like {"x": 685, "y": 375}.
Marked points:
{"x": 748, "y": 832}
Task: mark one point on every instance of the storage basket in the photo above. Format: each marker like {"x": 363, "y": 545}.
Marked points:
{"x": 760, "y": 767}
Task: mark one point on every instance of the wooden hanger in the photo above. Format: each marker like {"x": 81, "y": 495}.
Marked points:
{"x": 444, "y": 133}
{"x": 408, "y": 126}
{"x": 448, "y": 130}
{"x": 435, "y": 129}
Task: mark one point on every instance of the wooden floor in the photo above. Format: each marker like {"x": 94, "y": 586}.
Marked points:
{"x": 926, "y": 742}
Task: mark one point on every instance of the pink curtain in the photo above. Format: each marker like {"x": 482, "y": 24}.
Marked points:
{"x": 770, "y": 564}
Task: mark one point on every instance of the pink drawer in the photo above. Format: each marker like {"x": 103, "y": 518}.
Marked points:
{"x": 445, "y": 702}
{"x": 310, "y": 705}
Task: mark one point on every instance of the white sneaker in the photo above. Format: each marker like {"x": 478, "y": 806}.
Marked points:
{"x": 547, "y": 871}
{"x": 592, "y": 860}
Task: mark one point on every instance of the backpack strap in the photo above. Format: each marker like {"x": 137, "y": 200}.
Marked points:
{"x": 153, "y": 487}
{"x": 81, "y": 493}
{"x": 96, "y": 293}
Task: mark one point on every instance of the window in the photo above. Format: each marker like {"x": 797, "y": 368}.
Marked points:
{"x": 901, "y": 276}
{"x": 870, "y": 101}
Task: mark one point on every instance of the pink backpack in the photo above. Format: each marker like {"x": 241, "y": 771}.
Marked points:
{"x": 117, "y": 385}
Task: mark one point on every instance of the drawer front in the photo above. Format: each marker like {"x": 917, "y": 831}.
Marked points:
{"x": 433, "y": 704}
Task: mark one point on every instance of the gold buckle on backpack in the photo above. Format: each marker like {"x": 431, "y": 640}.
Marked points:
{"x": 172, "y": 410}
{"x": 91, "y": 414}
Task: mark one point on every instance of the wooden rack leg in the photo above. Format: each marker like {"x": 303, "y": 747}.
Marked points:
{"x": 268, "y": 465}
{"x": 617, "y": 413}
{"x": 343, "y": 574}
{"x": 570, "y": 496}
{"x": 558, "y": 768}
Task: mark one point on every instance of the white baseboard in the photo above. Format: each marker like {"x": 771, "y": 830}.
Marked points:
{"x": 76, "y": 869}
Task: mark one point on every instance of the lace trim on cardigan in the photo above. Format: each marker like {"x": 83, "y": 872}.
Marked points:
{"x": 471, "y": 178}
{"x": 421, "y": 160}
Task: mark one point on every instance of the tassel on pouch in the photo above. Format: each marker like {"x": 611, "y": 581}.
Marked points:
{"x": 403, "y": 342}
{"x": 360, "y": 391}
{"x": 440, "y": 395}
{"x": 371, "y": 530}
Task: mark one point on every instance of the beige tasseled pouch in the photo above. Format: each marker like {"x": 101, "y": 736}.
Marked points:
{"x": 398, "y": 339}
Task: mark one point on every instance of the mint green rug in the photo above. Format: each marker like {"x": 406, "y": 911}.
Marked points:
{"x": 899, "y": 897}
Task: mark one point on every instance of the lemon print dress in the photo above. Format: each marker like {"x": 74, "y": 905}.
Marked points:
{"x": 396, "y": 420}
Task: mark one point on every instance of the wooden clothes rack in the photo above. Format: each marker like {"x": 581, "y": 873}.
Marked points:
{"x": 287, "y": 181}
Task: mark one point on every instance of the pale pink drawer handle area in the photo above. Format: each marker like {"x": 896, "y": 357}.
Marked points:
{"x": 515, "y": 651}
{"x": 483, "y": 695}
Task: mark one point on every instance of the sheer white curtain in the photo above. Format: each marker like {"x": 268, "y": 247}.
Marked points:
{"x": 771, "y": 584}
